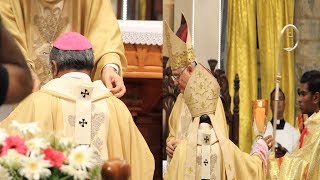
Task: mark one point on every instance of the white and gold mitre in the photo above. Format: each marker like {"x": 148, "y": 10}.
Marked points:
{"x": 202, "y": 92}
{"x": 180, "y": 52}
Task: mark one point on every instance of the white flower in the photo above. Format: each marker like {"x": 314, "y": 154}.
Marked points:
{"x": 12, "y": 160}
{"x": 24, "y": 128}
{"x": 82, "y": 157}
{"x": 76, "y": 174}
{"x": 66, "y": 142}
{"x": 36, "y": 144}
{"x": 3, "y": 136}
{"x": 34, "y": 167}
{"x": 4, "y": 174}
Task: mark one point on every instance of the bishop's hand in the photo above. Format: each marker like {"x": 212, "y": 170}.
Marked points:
{"x": 113, "y": 81}
{"x": 171, "y": 146}
{"x": 269, "y": 141}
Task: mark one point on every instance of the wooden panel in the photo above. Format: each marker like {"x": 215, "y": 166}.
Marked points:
{"x": 144, "y": 100}
{"x": 144, "y": 61}
{"x": 143, "y": 80}
{"x": 150, "y": 127}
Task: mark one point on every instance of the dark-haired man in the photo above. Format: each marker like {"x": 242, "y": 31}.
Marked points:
{"x": 304, "y": 162}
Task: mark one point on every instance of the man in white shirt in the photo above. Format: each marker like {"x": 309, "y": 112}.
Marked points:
{"x": 287, "y": 137}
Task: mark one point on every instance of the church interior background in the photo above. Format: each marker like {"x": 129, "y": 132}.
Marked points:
{"x": 248, "y": 45}
{"x": 243, "y": 42}
{"x": 140, "y": 22}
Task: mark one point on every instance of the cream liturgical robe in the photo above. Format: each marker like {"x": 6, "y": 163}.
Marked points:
{"x": 227, "y": 161}
{"x": 35, "y": 24}
{"x": 303, "y": 163}
{"x": 89, "y": 113}
{"x": 179, "y": 120}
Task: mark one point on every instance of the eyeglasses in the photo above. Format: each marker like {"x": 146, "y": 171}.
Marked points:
{"x": 176, "y": 77}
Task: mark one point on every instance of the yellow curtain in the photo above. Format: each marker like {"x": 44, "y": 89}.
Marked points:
{"x": 241, "y": 44}
{"x": 143, "y": 9}
{"x": 272, "y": 16}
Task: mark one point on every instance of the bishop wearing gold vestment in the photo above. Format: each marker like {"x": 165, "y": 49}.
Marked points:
{"x": 206, "y": 152}
{"x": 73, "y": 106}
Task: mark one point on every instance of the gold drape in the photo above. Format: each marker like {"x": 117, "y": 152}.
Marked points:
{"x": 272, "y": 16}
{"x": 142, "y": 10}
{"x": 241, "y": 45}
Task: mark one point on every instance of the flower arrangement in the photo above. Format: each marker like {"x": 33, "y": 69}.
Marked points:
{"x": 44, "y": 158}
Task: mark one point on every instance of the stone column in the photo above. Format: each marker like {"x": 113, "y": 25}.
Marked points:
{"x": 307, "y": 55}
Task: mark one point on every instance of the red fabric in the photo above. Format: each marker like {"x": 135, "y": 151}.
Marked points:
{"x": 300, "y": 122}
{"x": 182, "y": 32}
{"x": 72, "y": 41}
{"x": 303, "y": 134}
{"x": 280, "y": 161}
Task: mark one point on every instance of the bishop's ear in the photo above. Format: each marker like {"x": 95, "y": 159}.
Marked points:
{"x": 54, "y": 68}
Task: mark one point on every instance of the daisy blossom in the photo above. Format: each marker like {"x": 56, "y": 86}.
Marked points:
{"x": 34, "y": 167}
{"x": 76, "y": 174}
{"x": 66, "y": 142}
{"x": 82, "y": 157}
{"x": 24, "y": 128}
{"x": 3, "y": 135}
{"x": 12, "y": 159}
{"x": 37, "y": 144}
{"x": 4, "y": 174}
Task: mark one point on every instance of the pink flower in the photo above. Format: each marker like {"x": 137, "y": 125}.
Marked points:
{"x": 16, "y": 143}
{"x": 55, "y": 157}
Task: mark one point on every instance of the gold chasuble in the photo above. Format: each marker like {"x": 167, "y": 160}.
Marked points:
{"x": 87, "y": 112}
{"x": 182, "y": 54}
{"x": 207, "y": 153}
{"x": 180, "y": 118}
{"x": 35, "y": 24}
{"x": 304, "y": 163}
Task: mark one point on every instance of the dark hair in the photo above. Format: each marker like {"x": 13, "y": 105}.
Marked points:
{"x": 312, "y": 78}
{"x": 72, "y": 59}
{"x": 280, "y": 91}
{"x": 205, "y": 119}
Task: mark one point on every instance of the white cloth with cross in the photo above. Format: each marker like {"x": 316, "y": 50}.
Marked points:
{"x": 208, "y": 153}
{"x": 87, "y": 121}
